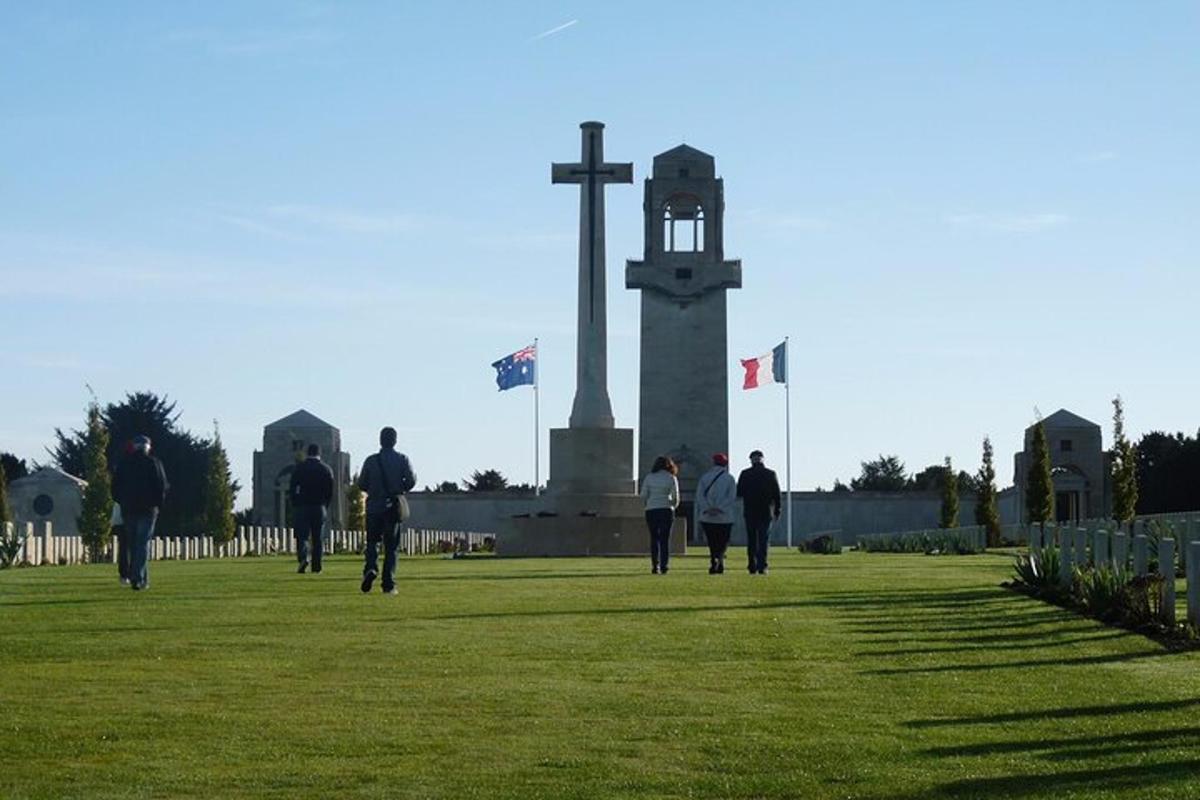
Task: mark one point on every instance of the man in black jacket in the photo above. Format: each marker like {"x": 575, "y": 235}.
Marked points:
{"x": 311, "y": 489}
{"x": 386, "y": 477}
{"x": 139, "y": 487}
{"x": 759, "y": 489}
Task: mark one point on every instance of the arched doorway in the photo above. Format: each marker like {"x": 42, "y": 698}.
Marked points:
{"x": 1070, "y": 493}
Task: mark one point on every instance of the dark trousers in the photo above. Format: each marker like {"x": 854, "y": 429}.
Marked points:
{"x": 310, "y": 522}
{"x": 659, "y": 521}
{"x": 382, "y": 528}
{"x": 124, "y": 547}
{"x": 717, "y": 536}
{"x": 758, "y": 536}
{"x": 141, "y": 529}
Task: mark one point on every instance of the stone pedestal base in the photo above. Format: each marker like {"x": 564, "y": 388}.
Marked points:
{"x": 593, "y": 461}
{"x": 590, "y": 507}
{"x": 582, "y": 536}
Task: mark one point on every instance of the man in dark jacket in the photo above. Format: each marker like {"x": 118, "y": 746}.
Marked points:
{"x": 759, "y": 489}
{"x": 139, "y": 487}
{"x": 311, "y": 489}
{"x": 386, "y": 476}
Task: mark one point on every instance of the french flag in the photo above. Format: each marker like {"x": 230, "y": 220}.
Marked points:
{"x": 771, "y": 368}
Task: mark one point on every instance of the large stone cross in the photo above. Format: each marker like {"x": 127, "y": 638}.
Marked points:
{"x": 592, "y": 408}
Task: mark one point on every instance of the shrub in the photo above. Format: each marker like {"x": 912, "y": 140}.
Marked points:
{"x": 1040, "y": 571}
{"x": 937, "y": 543}
{"x": 10, "y": 545}
{"x": 1144, "y": 603}
{"x": 823, "y": 545}
{"x": 1098, "y": 592}
{"x": 1117, "y": 596}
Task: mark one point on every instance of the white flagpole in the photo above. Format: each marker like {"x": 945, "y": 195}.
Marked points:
{"x": 787, "y": 395}
{"x": 537, "y": 379}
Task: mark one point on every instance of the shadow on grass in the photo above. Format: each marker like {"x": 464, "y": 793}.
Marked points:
{"x": 1023, "y": 636}
{"x": 1071, "y": 712}
{"x": 1134, "y": 778}
{"x": 603, "y": 612}
{"x": 1075, "y": 747}
{"x": 1112, "y": 658}
{"x": 924, "y": 599}
{"x": 910, "y": 624}
{"x": 1001, "y": 647}
{"x": 522, "y": 576}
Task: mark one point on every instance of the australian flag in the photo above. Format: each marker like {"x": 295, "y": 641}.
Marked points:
{"x": 518, "y": 369}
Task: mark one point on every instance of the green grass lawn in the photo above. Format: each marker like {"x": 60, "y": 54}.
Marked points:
{"x": 852, "y": 676}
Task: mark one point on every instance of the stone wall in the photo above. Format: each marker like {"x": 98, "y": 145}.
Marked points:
{"x": 851, "y": 513}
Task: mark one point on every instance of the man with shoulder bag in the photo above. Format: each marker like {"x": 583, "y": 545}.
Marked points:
{"x": 385, "y": 478}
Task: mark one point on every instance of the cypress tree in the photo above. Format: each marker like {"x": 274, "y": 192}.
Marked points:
{"x": 949, "y": 516}
{"x": 1039, "y": 485}
{"x": 356, "y": 508}
{"x": 95, "y": 518}
{"x": 218, "y": 494}
{"x": 1124, "y": 468}
{"x": 986, "y": 512}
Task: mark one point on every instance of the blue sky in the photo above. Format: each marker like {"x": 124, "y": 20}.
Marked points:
{"x": 959, "y": 212}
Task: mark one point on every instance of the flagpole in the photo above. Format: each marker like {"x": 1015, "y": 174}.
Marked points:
{"x": 787, "y": 394}
{"x": 537, "y": 379}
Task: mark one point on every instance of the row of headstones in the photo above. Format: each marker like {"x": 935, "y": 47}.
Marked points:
{"x": 41, "y": 546}
{"x": 1098, "y": 547}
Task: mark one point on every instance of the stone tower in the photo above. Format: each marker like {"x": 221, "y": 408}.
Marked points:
{"x": 284, "y": 444}
{"x": 683, "y": 278}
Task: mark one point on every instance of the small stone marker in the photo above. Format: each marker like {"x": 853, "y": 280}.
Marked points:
{"x": 1166, "y": 568}
{"x": 1100, "y": 548}
{"x": 1081, "y": 551}
{"x": 1120, "y": 551}
{"x": 1065, "y": 566}
{"x": 1193, "y": 583}
{"x": 1140, "y": 555}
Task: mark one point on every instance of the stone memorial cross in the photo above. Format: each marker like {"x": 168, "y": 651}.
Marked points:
{"x": 591, "y": 408}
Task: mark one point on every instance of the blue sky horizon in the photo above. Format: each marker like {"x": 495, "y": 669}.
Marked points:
{"x": 959, "y": 213}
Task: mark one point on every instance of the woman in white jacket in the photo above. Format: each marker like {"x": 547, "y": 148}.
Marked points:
{"x": 716, "y": 500}
{"x": 660, "y": 493}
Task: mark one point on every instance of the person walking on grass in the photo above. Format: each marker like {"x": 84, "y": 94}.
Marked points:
{"x": 716, "y": 497}
{"x": 140, "y": 487}
{"x": 660, "y": 493}
{"x": 386, "y": 477}
{"x": 761, "y": 502}
{"x": 311, "y": 489}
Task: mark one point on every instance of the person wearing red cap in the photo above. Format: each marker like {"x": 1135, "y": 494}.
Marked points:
{"x": 716, "y": 498}
{"x": 139, "y": 487}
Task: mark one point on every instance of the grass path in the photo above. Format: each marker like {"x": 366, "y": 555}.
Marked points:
{"x": 854, "y": 676}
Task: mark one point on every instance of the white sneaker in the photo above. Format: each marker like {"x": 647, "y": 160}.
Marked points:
{"x": 124, "y": 581}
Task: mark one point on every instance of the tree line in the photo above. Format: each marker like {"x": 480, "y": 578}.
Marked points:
{"x": 200, "y": 501}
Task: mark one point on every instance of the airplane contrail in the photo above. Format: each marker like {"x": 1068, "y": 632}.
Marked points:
{"x": 553, "y": 31}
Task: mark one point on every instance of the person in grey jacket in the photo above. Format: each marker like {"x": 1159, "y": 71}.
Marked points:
{"x": 386, "y": 477}
{"x": 716, "y": 499}
{"x": 660, "y": 493}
